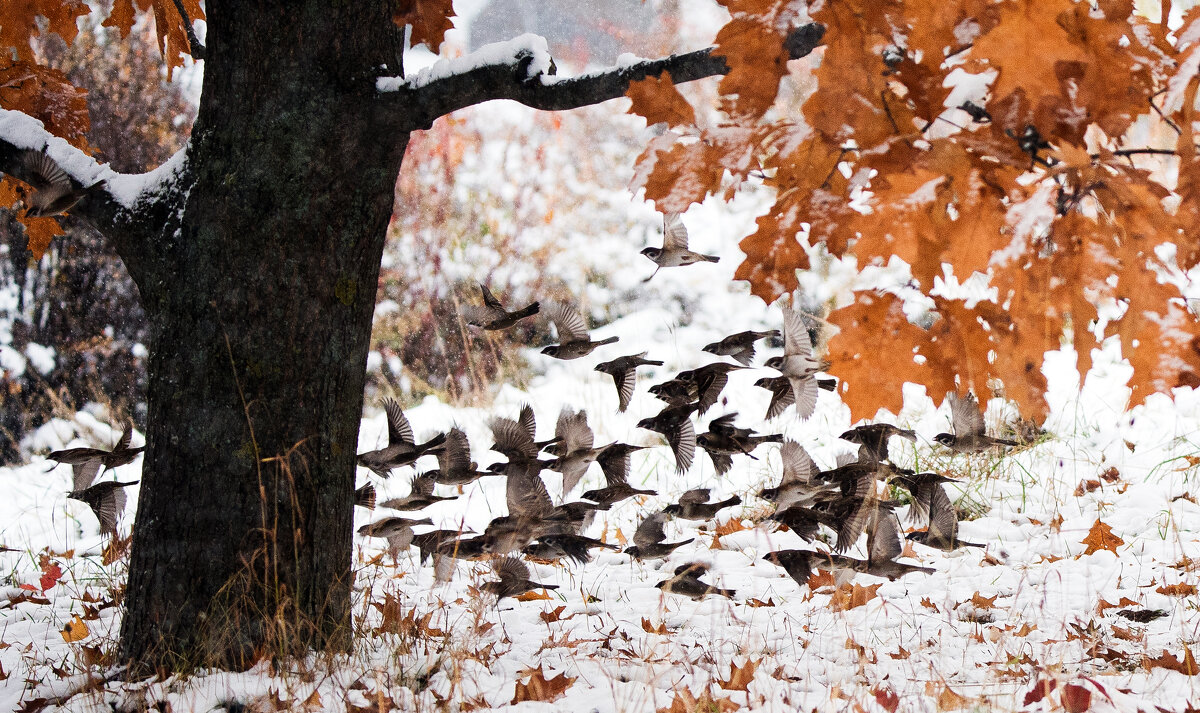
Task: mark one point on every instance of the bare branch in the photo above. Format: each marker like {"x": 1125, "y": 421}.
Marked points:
{"x": 523, "y": 77}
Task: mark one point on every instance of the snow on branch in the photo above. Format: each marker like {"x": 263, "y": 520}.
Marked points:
{"x": 522, "y": 70}
{"x": 121, "y": 206}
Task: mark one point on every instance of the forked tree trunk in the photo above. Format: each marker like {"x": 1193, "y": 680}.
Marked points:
{"x": 260, "y": 299}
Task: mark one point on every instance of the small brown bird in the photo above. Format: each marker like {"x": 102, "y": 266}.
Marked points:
{"x": 398, "y": 531}
{"x": 710, "y": 380}
{"x": 429, "y": 542}
{"x": 515, "y": 439}
{"x": 573, "y": 547}
{"x": 624, "y": 372}
{"x": 53, "y": 191}
{"x": 674, "y": 252}
{"x": 575, "y": 448}
{"x": 798, "y": 363}
{"x": 364, "y": 497}
{"x": 694, "y": 505}
{"x": 686, "y": 581}
{"x": 873, "y": 439}
{"x": 799, "y": 564}
{"x": 781, "y": 392}
{"x": 675, "y": 423}
{"x": 724, "y": 440}
{"x": 675, "y": 392}
{"x": 930, "y": 501}
{"x": 511, "y": 532}
{"x": 740, "y": 346}
{"x": 525, "y": 492}
{"x": 970, "y": 434}
{"x": 573, "y": 338}
{"x": 86, "y": 462}
{"x": 420, "y": 495}
{"x": 805, "y": 522}
{"x": 455, "y": 466}
{"x": 648, "y": 539}
{"x": 107, "y": 501}
{"x": 401, "y": 448}
{"x": 514, "y": 579}
{"x": 465, "y": 548}
{"x": 797, "y": 486}
{"x": 883, "y": 547}
{"x": 615, "y": 462}
{"x": 492, "y": 315}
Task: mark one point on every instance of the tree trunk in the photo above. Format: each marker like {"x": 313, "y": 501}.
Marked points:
{"x": 260, "y": 298}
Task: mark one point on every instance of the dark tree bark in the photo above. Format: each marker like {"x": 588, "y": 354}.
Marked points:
{"x": 257, "y": 264}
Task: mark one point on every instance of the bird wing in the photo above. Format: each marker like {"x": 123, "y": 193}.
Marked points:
{"x": 883, "y": 538}
{"x": 795, "y": 335}
{"x": 675, "y": 234}
{"x": 722, "y": 462}
{"x": 398, "y": 429}
{"x": 83, "y": 474}
{"x": 573, "y": 431}
{"x": 490, "y": 301}
{"x": 804, "y": 395}
{"x": 526, "y": 419}
{"x": 511, "y": 569}
{"x": 965, "y": 415}
{"x": 798, "y": 465}
{"x": 943, "y": 519}
{"x": 695, "y": 496}
{"x": 46, "y": 174}
{"x": 625, "y": 381}
{"x": 421, "y": 485}
{"x": 568, "y": 321}
{"x": 682, "y": 440}
{"x": 651, "y": 531}
{"x": 456, "y": 455}
{"x": 615, "y": 462}
{"x": 781, "y": 398}
{"x": 526, "y": 495}
{"x": 709, "y": 388}
{"x": 722, "y": 424}
{"x": 511, "y": 437}
{"x": 125, "y": 440}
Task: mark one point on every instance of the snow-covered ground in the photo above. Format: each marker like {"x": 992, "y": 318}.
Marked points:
{"x": 977, "y": 634}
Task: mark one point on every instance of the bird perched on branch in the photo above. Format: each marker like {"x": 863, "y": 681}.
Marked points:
{"x": 624, "y": 372}
{"x": 401, "y": 448}
{"x": 514, "y": 579}
{"x": 573, "y": 338}
{"x": 649, "y": 539}
{"x": 674, "y": 252}
{"x": 970, "y": 432}
{"x": 686, "y": 581}
{"x": 107, "y": 501}
{"x": 54, "y": 193}
{"x": 492, "y": 315}
{"x": 86, "y": 462}
{"x": 740, "y": 346}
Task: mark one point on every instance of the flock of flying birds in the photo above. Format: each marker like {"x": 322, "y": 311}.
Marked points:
{"x": 846, "y": 499}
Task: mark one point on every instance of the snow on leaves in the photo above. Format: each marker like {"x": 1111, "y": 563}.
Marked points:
{"x": 986, "y": 136}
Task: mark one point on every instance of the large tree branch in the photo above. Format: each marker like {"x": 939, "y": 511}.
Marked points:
{"x": 522, "y": 70}
{"x": 128, "y": 209}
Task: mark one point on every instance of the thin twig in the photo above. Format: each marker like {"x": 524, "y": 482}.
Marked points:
{"x": 196, "y": 48}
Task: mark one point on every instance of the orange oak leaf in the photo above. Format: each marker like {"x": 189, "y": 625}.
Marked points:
{"x": 539, "y": 688}
{"x": 430, "y": 19}
{"x": 1075, "y": 698}
{"x": 658, "y": 101}
{"x": 1187, "y": 666}
{"x": 75, "y": 630}
{"x": 739, "y": 676}
{"x": 1101, "y": 537}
